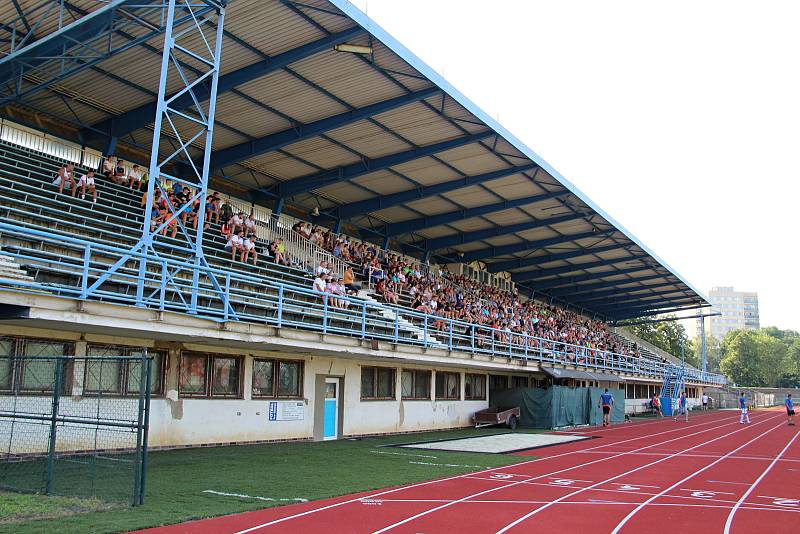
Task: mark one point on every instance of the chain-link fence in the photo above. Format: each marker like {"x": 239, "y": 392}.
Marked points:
{"x": 75, "y": 425}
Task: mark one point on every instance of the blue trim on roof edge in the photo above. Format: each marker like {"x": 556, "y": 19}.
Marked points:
{"x": 360, "y": 18}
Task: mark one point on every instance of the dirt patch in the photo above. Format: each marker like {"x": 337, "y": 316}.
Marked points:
{"x": 19, "y": 507}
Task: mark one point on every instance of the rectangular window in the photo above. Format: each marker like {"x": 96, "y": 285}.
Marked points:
{"x": 519, "y": 381}
{"x": 29, "y": 365}
{"x": 415, "y": 385}
{"x": 498, "y": 382}
{"x": 210, "y": 375}
{"x": 377, "y": 383}
{"x": 475, "y": 387}
{"x": 277, "y": 378}
{"x": 448, "y": 386}
{"x": 107, "y": 374}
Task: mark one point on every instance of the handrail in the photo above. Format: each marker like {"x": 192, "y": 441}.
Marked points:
{"x": 285, "y": 301}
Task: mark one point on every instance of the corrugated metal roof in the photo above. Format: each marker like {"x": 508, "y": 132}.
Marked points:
{"x": 494, "y": 218}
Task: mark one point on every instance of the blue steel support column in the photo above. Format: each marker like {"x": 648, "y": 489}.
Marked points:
{"x": 191, "y": 34}
{"x": 703, "y": 355}
{"x": 276, "y": 212}
{"x": 337, "y": 227}
{"x": 111, "y": 146}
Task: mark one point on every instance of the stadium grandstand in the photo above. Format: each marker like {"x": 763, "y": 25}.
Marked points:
{"x": 310, "y": 231}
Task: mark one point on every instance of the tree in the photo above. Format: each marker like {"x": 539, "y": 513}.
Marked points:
{"x": 754, "y": 358}
{"x": 713, "y": 352}
{"x": 668, "y": 336}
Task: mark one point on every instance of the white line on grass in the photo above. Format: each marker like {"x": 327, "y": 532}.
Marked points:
{"x": 681, "y": 481}
{"x": 729, "y": 521}
{"x": 243, "y": 496}
{"x": 447, "y": 465}
{"x": 403, "y": 454}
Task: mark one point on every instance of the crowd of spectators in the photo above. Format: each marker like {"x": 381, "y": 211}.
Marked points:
{"x": 480, "y": 309}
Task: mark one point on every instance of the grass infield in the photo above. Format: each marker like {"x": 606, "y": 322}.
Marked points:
{"x": 191, "y": 483}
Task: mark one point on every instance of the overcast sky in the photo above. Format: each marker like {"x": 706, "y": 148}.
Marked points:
{"x": 680, "y": 119}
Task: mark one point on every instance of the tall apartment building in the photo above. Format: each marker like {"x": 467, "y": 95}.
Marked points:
{"x": 739, "y": 311}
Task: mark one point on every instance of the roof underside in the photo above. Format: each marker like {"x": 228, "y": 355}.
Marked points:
{"x": 384, "y": 143}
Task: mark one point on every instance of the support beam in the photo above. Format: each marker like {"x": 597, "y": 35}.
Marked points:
{"x": 655, "y": 305}
{"x": 415, "y": 225}
{"x": 585, "y": 288}
{"x": 544, "y": 273}
{"x": 637, "y": 314}
{"x": 591, "y": 276}
{"x": 81, "y": 44}
{"x": 633, "y": 300}
{"x": 348, "y": 172}
{"x": 602, "y": 295}
{"x": 461, "y": 238}
{"x": 141, "y": 116}
{"x": 493, "y": 252}
{"x": 510, "y": 265}
{"x": 667, "y": 319}
{"x": 268, "y": 143}
{"x": 370, "y": 205}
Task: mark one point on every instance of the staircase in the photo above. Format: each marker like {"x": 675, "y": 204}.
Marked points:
{"x": 11, "y": 271}
{"x": 404, "y": 324}
{"x": 672, "y": 386}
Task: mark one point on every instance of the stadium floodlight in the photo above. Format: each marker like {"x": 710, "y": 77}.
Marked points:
{"x": 353, "y": 48}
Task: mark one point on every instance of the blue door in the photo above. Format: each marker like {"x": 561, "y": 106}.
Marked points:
{"x": 331, "y": 422}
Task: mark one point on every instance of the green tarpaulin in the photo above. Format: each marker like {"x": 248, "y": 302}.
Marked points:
{"x": 559, "y": 406}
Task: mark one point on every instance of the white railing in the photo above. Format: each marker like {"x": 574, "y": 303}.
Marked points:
{"x": 52, "y": 146}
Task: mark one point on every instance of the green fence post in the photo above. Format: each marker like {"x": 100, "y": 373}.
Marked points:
{"x": 146, "y": 430}
{"x": 51, "y": 450}
{"x": 144, "y": 378}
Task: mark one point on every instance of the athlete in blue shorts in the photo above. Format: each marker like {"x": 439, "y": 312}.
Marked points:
{"x": 745, "y": 417}
{"x": 682, "y": 408}
{"x": 790, "y": 409}
{"x": 606, "y": 401}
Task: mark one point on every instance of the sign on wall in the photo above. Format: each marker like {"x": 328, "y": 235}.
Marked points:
{"x": 286, "y": 411}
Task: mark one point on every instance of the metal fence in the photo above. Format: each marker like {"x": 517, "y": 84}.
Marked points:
{"x": 74, "y": 426}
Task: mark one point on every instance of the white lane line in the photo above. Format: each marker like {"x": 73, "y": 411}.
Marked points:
{"x": 752, "y": 506}
{"x": 645, "y": 466}
{"x": 724, "y": 482}
{"x": 546, "y": 475}
{"x": 729, "y": 521}
{"x": 683, "y": 480}
{"x": 436, "y": 481}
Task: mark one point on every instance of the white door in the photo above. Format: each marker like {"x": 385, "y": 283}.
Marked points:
{"x": 331, "y": 421}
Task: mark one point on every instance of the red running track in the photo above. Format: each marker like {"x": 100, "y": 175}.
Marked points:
{"x": 709, "y": 475}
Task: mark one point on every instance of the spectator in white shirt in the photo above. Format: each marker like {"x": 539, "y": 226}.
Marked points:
{"x": 235, "y": 244}
{"x": 237, "y": 221}
{"x": 66, "y": 174}
{"x": 319, "y": 283}
{"x": 250, "y": 224}
{"x": 109, "y": 164}
{"x": 135, "y": 177}
{"x": 87, "y": 182}
{"x": 249, "y": 249}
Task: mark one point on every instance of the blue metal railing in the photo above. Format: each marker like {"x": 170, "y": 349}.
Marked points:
{"x": 168, "y": 286}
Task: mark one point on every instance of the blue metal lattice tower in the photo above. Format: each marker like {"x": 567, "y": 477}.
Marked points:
{"x": 181, "y": 151}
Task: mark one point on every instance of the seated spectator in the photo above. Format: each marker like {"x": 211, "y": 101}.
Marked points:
{"x": 237, "y": 221}
{"x": 225, "y": 213}
{"x": 66, "y": 175}
{"x": 350, "y": 281}
{"x": 249, "y": 248}
{"x": 235, "y": 244}
{"x": 213, "y": 208}
{"x": 320, "y": 283}
{"x": 331, "y": 289}
{"x": 164, "y": 215}
{"x": 278, "y": 251}
{"x": 226, "y": 229}
{"x": 109, "y": 165}
{"x": 135, "y": 177}
{"x": 250, "y": 223}
{"x": 120, "y": 175}
{"x": 87, "y": 182}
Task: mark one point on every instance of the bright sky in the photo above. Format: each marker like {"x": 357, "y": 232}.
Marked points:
{"x": 680, "y": 119}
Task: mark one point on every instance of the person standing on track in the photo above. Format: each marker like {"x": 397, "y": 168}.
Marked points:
{"x": 745, "y": 417}
{"x": 606, "y": 402}
{"x": 789, "y": 409}
{"x": 682, "y": 408}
